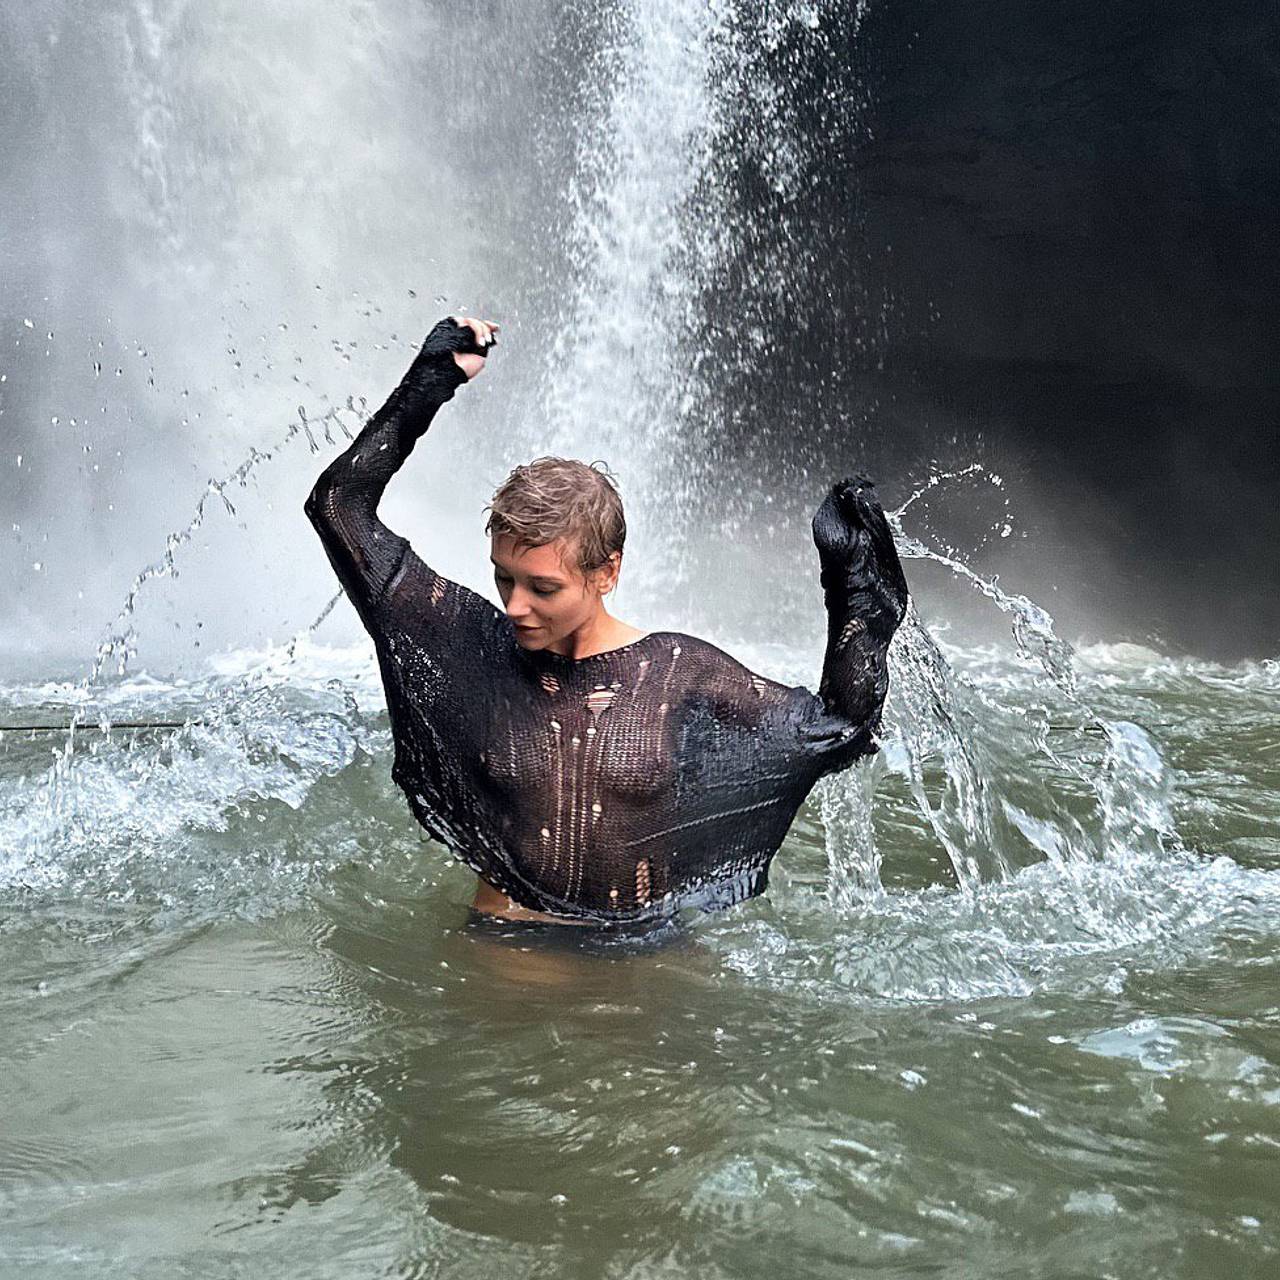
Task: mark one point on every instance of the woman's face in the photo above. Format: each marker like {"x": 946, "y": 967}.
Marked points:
{"x": 546, "y": 596}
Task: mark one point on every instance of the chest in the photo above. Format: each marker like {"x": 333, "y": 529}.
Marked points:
{"x": 592, "y": 739}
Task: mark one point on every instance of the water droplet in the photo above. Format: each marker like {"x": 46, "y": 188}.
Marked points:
{"x": 54, "y": 419}
{"x": 26, "y": 324}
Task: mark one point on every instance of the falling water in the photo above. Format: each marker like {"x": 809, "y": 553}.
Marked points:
{"x": 627, "y": 345}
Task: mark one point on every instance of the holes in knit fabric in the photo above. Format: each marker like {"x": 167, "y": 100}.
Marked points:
{"x": 642, "y": 882}
{"x": 849, "y": 630}
{"x": 599, "y": 699}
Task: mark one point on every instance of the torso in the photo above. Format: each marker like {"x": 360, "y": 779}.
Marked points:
{"x": 621, "y": 781}
{"x": 492, "y": 902}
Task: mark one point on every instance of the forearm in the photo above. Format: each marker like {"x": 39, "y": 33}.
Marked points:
{"x": 855, "y": 669}
{"x": 865, "y": 593}
{"x": 343, "y": 504}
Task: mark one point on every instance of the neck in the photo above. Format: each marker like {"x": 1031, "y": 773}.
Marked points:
{"x": 600, "y": 633}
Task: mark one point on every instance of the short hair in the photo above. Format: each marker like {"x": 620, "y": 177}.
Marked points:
{"x": 561, "y": 498}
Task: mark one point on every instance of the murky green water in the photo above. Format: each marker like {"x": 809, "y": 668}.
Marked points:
{"x": 250, "y": 1029}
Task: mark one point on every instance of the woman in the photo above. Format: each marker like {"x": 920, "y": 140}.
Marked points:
{"x": 585, "y": 770}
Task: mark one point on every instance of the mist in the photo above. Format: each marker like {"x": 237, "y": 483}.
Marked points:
{"x": 737, "y": 252}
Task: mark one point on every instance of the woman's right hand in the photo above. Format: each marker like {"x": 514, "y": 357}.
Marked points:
{"x": 486, "y": 334}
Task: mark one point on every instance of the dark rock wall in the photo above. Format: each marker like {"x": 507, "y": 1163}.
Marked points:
{"x": 1057, "y": 226}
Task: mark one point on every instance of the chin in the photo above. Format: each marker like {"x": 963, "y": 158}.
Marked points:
{"x": 534, "y": 640}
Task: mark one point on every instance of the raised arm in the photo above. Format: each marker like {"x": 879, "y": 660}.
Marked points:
{"x": 866, "y": 599}
{"x": 343, "y": 505}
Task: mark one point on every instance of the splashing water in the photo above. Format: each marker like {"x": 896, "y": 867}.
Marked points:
{"x": 48, "y": 829}
{"x": 628, "y": 339}
{"x": 988, "y": 817}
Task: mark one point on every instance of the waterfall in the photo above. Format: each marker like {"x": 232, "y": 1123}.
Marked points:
{"x": 271, "y": 270}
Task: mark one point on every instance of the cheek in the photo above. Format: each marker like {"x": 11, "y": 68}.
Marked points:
{"x": 565, "y": 610}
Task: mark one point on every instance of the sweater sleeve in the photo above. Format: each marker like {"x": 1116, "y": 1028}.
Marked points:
{"x": 343, "y": 505}
{"x": 866, "y": 598}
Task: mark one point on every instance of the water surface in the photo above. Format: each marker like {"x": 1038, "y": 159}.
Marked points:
{"x": 251, "y": 1029}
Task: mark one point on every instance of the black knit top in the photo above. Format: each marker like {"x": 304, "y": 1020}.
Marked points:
{"x": 621, "y": 786}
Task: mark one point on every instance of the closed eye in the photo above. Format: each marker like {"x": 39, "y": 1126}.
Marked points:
{"x": 544, "y": 589}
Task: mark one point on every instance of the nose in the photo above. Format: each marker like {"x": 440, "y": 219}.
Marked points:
{"x": 517, "y": 605}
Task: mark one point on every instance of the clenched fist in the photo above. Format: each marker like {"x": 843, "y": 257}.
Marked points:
{"x": 486, "y": 334}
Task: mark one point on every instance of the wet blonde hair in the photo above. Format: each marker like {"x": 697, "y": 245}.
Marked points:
{"x": 561, "y": 498}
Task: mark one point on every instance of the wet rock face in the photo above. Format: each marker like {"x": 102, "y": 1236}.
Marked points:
{"x": 1071, "y": 213}
{"x": 1098, "y": 180}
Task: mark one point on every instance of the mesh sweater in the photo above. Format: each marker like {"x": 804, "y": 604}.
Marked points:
{"x": 618, "y": 787}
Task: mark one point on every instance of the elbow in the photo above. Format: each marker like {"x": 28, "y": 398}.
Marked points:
{"x": 319, "y": 503}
